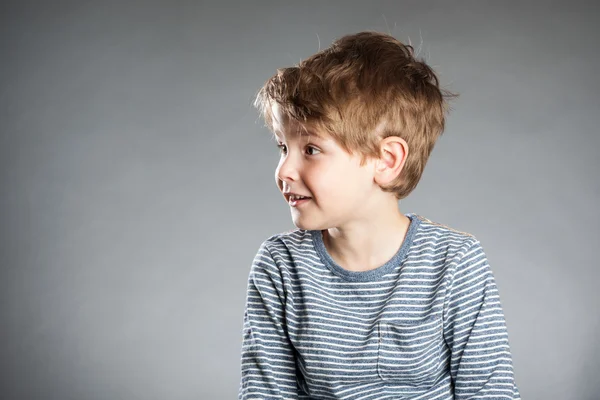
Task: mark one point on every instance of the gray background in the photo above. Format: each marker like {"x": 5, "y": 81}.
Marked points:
{"x": 137, "y": 181}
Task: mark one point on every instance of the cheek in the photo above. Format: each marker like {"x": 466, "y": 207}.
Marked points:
{"x": 325, "y": 182}
{"x": 347, "y": 181}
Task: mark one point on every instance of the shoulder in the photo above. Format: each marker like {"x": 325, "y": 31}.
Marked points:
{"x": 463, "y": 252}
{"x": 281, "y": 249}
{"x": 443, "y": 229}
{"x": 288, "y": 241}
{"x": 439, "y": 234}
{"x": 448, "y": 247}
{"x": 460, "y": 254}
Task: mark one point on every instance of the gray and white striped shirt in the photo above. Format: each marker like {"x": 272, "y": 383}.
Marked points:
{"x": 428, "y": 324}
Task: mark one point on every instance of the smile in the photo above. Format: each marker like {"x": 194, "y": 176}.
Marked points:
{"x": 298, "y": 203}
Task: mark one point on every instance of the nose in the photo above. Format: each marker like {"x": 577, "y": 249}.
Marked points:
{"x": 287, "y": 171}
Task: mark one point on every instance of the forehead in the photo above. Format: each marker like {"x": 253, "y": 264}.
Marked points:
{"x": 284, "y": 127}
{"x": 287, "y": 132}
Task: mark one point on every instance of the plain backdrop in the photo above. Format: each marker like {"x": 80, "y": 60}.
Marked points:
{"x": 137, "y": 181}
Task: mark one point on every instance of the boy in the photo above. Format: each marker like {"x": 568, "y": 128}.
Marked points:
{"x": 362, "y": 301}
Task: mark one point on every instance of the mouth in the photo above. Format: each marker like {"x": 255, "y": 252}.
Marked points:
{"x": 299, "y": 202}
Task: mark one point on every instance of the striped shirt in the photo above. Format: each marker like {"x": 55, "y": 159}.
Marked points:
{"x": 428, "y": 324}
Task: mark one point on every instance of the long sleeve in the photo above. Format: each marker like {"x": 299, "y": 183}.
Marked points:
{"x": 475, "y": 331}
{"x": 268, "y": 363}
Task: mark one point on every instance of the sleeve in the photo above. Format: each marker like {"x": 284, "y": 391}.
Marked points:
{"x": 475, "y": 332}
{"x": 268, "y": 362}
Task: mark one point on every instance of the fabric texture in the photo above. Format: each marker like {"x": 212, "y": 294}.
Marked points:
{"x": 428, "y": 324}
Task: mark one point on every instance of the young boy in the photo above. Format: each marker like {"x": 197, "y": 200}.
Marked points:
{"x": 362, "y": 301}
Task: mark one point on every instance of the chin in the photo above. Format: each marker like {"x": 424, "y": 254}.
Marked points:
{"x": 301, "y": 224}
{"x": 308, "y": 226}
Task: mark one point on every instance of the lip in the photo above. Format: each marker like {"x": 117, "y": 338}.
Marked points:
{"x": 298, "y": 203}
{"x": 287, "y": 195}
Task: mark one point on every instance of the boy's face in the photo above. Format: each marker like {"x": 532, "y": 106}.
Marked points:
{"x": 340, "y": 189}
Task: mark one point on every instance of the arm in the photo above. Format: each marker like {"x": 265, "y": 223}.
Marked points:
{"x": 475, "y": 331}
{"x": 268, "y": 363}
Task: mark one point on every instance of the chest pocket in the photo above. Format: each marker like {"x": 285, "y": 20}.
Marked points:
{"x": 409, "y": 352}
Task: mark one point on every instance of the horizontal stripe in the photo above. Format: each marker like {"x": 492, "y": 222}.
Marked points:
{"x": 428, "y": 324}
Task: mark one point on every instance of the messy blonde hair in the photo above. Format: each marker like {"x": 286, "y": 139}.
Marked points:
{"x": 363, "y": 88}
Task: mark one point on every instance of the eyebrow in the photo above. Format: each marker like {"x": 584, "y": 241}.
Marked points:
{"x": 305, "y": 133}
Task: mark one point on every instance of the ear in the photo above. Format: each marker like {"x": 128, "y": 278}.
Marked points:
{"x": 393, "y": 150}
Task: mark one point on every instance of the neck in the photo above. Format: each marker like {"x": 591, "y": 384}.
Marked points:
{"x": 367, "y": 244}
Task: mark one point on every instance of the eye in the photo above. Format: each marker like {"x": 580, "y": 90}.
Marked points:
{"x": 283, "y": 149}
{"x": 313, "y": 148}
